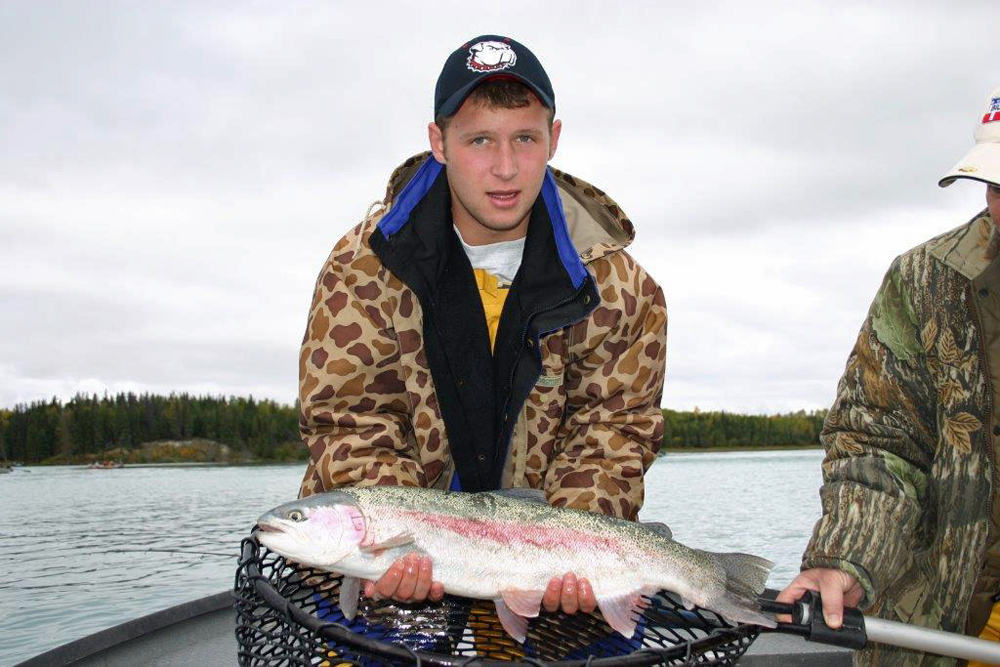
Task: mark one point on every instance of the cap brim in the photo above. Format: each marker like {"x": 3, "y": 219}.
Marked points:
{"x": 453, "y": 103}
{"x": 982, "y": 164}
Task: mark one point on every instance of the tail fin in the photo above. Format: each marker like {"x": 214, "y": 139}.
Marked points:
{"x": 746, "y": 576}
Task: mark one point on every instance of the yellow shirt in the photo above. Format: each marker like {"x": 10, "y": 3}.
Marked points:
{"x": 493, "y": 295}
{"x": 991, "y": 632}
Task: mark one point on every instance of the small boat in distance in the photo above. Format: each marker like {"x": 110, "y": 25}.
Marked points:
{"x": 107, "y": 464}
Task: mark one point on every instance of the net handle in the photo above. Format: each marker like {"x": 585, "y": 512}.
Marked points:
{"x": 858, "y": 630}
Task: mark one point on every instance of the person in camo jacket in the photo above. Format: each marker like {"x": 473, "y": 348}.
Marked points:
{"x": 484, "y": 327}
{"x": 910, "y": 529}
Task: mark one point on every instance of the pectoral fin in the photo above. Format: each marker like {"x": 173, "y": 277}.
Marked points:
{"x": 622, "y": 612}
{"x": 350, "y": 589}
{"x": 523, "y": 603}
{"x": 515, "y": 625}
{"x": 394, "y": 541}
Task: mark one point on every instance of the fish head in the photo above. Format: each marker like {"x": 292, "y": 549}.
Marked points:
{"x": 318, "y": 530}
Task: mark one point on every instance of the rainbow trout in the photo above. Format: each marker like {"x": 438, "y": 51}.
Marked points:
{"x": 505, "y": 546}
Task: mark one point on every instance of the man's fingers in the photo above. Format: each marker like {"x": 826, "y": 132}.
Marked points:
{"x": 569, "y": 597}
{"x": 793, "y": 592}
{"x": 424, "y": 579}
{"x": 588, "y": 602}
{"x": 852, "y": 598}
{"x": 388, "y": 583}
{"x": 553, "y": 592}
{"x": 437, "y": 591}
{"x": 833, "y": 603}
{"x": 408, "y": 582}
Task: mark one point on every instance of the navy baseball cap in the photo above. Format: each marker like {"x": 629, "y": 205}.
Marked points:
{"x": 489, "y": 57}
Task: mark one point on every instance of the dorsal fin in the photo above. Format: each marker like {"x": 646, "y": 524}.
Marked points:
{"x": 659, "y": 528}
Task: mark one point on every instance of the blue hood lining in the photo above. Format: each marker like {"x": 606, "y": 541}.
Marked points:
{"x": 428, "y": 173}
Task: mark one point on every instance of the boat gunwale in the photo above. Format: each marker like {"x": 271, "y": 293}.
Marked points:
{"x": 94, "y": 643}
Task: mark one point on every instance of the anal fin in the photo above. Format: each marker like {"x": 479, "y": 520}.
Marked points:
{"x": 622, "y": 612}
{"x": 515, "y": 625}
{"x": 523, "y": 603}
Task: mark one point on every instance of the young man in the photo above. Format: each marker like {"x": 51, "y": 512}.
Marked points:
{"x": 485, "y": 328}
{"x": 911, "y": 514}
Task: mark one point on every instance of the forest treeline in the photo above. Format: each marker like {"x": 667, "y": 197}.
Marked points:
{"x": 726, "y": 429}
{"x": 91, "y": 427}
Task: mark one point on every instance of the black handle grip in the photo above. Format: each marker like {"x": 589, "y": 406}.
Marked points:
{"x": 808, "y": 611}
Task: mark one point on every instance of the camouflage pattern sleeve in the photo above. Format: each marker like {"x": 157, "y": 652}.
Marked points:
{"x": 353, "y": 403}
{"x": 614, "y": 424}
{"x": 880, "y": 437}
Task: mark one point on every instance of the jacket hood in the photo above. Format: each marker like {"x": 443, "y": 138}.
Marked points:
{"x": 596, "y": 224}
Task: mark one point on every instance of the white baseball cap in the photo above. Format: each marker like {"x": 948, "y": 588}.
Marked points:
{"x": 982, "y": 163}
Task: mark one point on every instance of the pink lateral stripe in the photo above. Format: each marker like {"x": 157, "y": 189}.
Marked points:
{"x": 513, "y": 533}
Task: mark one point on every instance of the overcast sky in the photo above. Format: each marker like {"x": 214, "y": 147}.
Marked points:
{"x": 173, "y": 174}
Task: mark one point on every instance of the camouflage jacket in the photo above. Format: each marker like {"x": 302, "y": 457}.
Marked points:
{"x": 398, "y": 384}
{"x": 908, "y": 475}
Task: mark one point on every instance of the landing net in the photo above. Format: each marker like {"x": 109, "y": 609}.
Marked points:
{"x": 287, "y": 614}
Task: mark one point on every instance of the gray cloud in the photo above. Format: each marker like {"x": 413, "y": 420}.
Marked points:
{"x": 173, "y": 174}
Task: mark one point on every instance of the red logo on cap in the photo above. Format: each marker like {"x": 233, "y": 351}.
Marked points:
{"x": 994, "y": 113}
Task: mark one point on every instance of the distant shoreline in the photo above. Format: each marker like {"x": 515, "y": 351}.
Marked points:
{"x": 735, "y": 448}
{"x": 240, "y": 461}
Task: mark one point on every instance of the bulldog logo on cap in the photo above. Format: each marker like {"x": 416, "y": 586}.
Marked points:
{"x": 491, "y": 57}
{"x": 993, "y": 113}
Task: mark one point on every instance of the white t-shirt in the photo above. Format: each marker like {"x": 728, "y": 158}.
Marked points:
{"x": 502, "y": 259}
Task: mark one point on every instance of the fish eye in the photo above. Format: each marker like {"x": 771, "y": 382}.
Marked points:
{"x": 295, "y": 515}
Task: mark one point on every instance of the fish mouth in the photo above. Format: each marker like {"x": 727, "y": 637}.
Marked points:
{"x": 268, "y": 528}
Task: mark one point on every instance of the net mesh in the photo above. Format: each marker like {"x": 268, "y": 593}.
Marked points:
{"x": 287, "y": 614}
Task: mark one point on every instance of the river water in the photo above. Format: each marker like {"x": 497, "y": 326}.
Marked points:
{"x": 82, "y": 550}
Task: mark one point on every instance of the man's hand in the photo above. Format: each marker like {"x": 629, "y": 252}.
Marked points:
{"x": 837, "y": 588}
{"x": 570, "y": 593}
{"x": 409, "y": 579}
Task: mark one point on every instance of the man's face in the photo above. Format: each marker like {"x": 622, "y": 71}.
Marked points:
{"x": 993, "y": 202}
{"x": 496, "y": 162}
